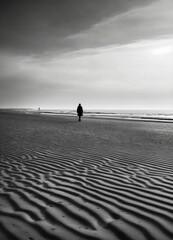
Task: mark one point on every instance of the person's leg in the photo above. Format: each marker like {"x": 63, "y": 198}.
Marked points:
{"x": 79, "y": 118}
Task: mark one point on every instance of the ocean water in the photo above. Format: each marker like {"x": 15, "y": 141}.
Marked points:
{"x": 154, "y": 115}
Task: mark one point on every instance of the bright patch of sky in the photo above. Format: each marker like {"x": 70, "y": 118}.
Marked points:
{"x": 137, "y": 75}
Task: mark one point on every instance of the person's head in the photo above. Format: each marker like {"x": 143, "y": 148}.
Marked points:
{"x": 79, "y": 104}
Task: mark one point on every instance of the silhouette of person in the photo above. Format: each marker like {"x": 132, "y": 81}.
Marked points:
{"x": 79, "y": 111}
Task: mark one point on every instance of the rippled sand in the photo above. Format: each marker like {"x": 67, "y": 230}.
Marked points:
{"x": 95, "y": 179}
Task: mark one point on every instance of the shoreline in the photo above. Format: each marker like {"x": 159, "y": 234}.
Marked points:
{"x": 91, "y": 115}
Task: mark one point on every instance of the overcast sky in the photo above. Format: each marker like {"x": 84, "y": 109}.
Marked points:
{"x": 115, "y": 54}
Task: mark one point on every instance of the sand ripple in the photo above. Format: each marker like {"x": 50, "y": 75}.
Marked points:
{"x": 85, "y": 194}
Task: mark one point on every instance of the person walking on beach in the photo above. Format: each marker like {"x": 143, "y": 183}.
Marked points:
{"x": 79, "y": 111}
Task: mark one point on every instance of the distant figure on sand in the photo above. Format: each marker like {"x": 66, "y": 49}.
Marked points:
{"x": 79, "y": 111}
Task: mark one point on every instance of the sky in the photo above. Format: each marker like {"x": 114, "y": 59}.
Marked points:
{"x": 104, "y": 54}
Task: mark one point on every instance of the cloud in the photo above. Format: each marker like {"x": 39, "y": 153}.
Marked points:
{"x": 35, "y": 27}
{"x": 147, "y": 22}
{"x": 128, "y": 76}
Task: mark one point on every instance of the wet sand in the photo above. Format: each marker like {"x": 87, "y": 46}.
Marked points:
{"x": 96, "y": 179}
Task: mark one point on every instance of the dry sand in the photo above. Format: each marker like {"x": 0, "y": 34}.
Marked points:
{"x": 95, "y": 179}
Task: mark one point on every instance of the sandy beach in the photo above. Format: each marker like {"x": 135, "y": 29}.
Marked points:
{"x": 99, "y": 179}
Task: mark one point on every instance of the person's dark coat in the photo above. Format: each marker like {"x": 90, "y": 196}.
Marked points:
{"x": 80, "y": 110}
